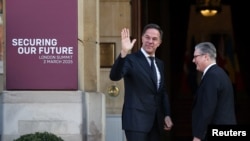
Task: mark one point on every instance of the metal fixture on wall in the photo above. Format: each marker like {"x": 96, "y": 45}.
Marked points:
{"x": 113, "y": 91}
{"x": 208, "y": 8}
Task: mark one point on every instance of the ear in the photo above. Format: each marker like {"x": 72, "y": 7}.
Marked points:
{"x": 160, "y": 42}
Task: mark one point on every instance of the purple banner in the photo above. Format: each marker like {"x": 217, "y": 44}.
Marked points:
{"x": 41, "y": 45}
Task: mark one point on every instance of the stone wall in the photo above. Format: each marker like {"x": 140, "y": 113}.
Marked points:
{"x": 68, "y": 114}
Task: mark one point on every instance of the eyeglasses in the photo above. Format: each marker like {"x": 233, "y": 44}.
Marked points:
{"x": 198, "y": 55}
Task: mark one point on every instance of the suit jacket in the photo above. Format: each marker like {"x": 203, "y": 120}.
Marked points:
{"x": 213, "y": 102}
{"x": 143, "y": 103}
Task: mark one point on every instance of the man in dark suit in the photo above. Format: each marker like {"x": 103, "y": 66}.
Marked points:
{"x": 146, "y": 108}
{"x": 214, "y": 98}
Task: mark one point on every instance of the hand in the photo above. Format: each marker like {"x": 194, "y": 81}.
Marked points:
{"x": 127, "y": 45}
{"x": 196, "y": 139}
{"x": 168, "y": 123}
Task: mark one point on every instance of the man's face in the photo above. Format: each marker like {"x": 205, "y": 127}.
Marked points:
{"x": 199, "y": 60}
{"x": 151, "y": 41}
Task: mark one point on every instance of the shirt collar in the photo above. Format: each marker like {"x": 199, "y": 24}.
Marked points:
{"x": 146, "y": 54}
{"x": 208, "y": 68}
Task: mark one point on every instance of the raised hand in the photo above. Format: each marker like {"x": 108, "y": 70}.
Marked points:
{"x": 126, "y": 42}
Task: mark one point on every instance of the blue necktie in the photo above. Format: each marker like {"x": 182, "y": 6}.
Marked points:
{"x": 154, "y": 75}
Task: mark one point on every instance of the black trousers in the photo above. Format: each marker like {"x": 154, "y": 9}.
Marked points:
{"x": 152, "y": 135}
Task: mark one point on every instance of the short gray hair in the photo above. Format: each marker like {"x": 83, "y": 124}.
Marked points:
{"x": 207, "y": 48}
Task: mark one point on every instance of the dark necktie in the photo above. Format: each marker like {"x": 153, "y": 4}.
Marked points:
{"x": 154, "y": 75}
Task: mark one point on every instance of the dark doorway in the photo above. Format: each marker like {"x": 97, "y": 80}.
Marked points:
{"x": 173, "y": 17}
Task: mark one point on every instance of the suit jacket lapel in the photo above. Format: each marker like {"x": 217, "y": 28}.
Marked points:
{"x": 142, "y": 60}
{"x": 160, "y": 68}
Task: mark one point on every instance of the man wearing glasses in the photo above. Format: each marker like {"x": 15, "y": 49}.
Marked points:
{"x": 214, "y": 99}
